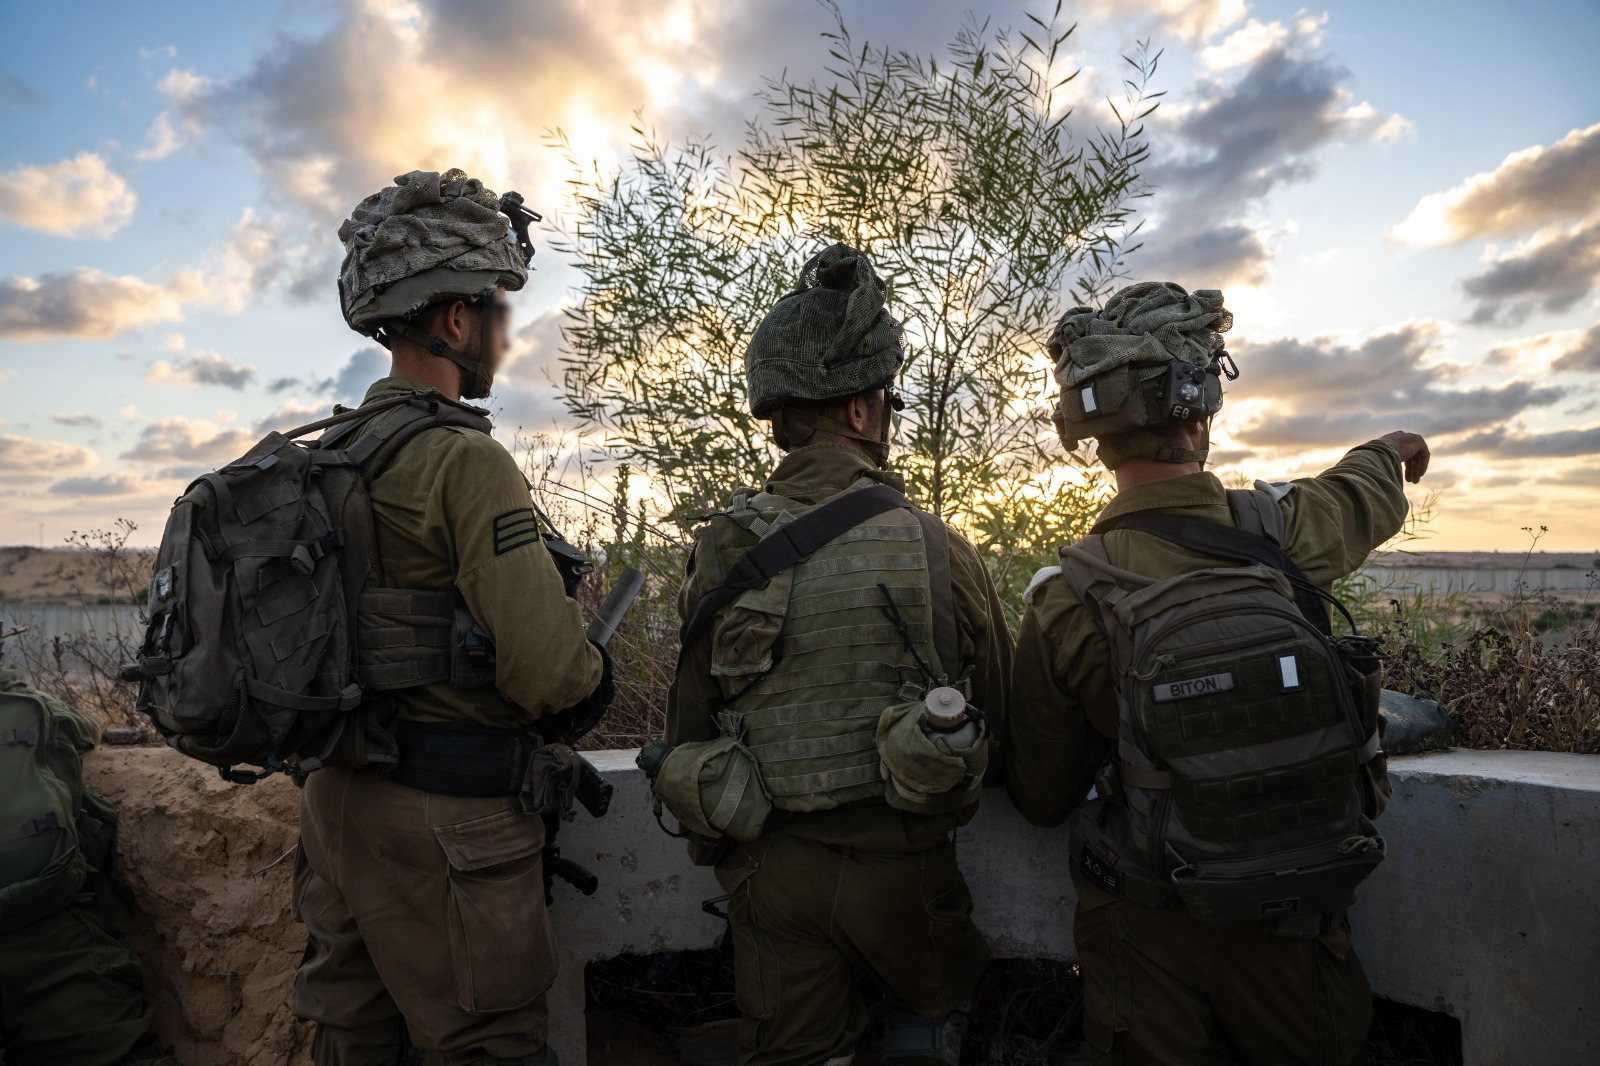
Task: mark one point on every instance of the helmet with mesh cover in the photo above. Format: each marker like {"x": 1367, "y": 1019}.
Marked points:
{"x": 431, "y": 237}
{"x": 1153, "y": 356}
{"x": 829, "y": 338}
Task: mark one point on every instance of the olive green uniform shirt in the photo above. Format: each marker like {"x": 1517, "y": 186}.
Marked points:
{"x": 810, "y": 475}
{"x": 452, "y": 510}
{"x": 1063, "y": 715}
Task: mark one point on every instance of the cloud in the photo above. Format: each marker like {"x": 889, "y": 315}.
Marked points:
{"x": 18, "y": 95}
{"x": 202, "y": 368}
{"x": 289, "y": 416}
{"x": 120, "y": 483}
{"x": 1258, "y": 125}
{"x": 88, "y": 303}
{"x": 1532, "y": 188}
{"x": 76, "y": 197}
{"x": 1329, "y": 391}
{"x": 24, "y": 459}
{"x": 161, "y": 140}
{"x": 1584, "y": 353}
{"x": 165, "y": 51}
{"x": 194, "y": 445}
{"x": 1512, "y": 444}
{"x": 1192, "y": 21}
{"x": 349, "y": 384}
{"x": 76, "y": 418}
{"x": 1549, "y": 272}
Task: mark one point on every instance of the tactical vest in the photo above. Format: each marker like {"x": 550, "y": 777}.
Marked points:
{"x": 53, "y": 830}
{"x": 1243, "y": 725}
{"x": 271, "y": 630}
{"x": 808, "y": 664}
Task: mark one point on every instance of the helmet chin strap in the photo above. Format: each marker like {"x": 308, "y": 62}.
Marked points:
{"x": 475, "y": 378}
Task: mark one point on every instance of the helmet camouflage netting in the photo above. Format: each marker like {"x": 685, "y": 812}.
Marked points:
{"x": 829, "y": 338}
{"x": 1121, "y": 354}
{"x": 426, "y": 237}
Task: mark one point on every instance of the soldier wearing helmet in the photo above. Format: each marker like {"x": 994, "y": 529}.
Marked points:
{"x": 806, "y": 691}
{"x": 419, "y": 878}
{"x": 1215, "y": 752}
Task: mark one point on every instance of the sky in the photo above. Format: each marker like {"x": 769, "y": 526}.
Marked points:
{"x": 1399, "y": 201}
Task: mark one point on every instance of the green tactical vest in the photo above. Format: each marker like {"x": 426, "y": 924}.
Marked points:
{"x": 808, "y": 664}
{"x": 53, "y": 830}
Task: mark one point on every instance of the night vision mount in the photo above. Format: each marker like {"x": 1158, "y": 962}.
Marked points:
{"x": 521, "y": 216}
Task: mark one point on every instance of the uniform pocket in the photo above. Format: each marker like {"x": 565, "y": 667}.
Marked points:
{"x": 757, "y": 988}
{"x": 1105, "y": 975}
{"x": 501, "y": 946}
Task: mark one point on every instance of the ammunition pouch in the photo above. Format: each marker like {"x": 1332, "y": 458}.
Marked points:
{"x": 923, "y": 774}
{"x": 1310, "y": 880}
{"x": 714, "y": 789}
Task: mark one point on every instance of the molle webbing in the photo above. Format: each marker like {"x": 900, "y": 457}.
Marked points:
{"x": 838, "y": 658}
{"x": 406, "y": 637}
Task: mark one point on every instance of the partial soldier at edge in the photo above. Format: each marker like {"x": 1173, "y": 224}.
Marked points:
{"x": 1201, "y": 940}
{"x": 802, "y": 714}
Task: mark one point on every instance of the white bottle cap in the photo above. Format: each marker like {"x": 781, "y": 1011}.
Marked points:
{"x": 945, "y": 707}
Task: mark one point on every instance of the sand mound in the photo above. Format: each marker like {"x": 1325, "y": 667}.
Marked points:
{"x": 204, "y": 869}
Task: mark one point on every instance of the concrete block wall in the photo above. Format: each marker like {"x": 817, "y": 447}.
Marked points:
{"x": 1488, "y": 907}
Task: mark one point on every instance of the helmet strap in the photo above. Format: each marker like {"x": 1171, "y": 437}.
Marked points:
{"x": 475, "y": 380}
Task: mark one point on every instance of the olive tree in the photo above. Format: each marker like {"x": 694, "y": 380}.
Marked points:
{"x": 980, "y": 201}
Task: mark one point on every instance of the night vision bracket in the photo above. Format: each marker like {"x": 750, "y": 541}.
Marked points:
{"x": 521, "y": 216}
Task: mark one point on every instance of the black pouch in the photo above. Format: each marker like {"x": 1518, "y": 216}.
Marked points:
{"x": 1363, "y": 658}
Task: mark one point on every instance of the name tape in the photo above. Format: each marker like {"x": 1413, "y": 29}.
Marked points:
{"x": 1191, "y": 687}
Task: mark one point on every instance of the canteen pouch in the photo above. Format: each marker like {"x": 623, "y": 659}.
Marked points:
{"x": 1311, "y": 880}
{"x": 923, "y": 774}
{"x": 714, "y": 788}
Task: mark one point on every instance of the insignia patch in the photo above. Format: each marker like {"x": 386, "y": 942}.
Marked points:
{"x": 1191, "y": 687}
{"x": 1100, "y": 871}
{"x": 514, "y": 529}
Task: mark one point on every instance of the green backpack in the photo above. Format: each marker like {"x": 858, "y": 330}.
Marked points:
{"x": 1237, "y": 782}
{"x": 270, "y": 633}
{"x": 53, "y": 830}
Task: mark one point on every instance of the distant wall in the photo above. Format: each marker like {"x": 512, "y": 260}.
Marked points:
{"x": 1442, "y": 580}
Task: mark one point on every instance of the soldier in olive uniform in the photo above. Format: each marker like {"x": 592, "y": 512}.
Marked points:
{"x": 842, "y": 882}
{"x": 421, "y": 889}
{"x": 1160, "y": 985}
{"x": 70, "y": 989}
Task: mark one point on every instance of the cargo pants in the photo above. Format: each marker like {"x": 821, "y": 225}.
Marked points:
{"x": 425, "y": 920}
{"x": 1161, "y": 987}
{"x": 808, "y": 918}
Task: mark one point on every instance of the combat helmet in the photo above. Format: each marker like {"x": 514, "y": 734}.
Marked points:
{"x": 829, "y": 339}
{"x": 1153, "y": 356}
{"x": 431, "y": 237}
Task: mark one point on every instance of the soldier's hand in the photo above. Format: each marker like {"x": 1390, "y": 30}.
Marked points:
{"x": 1413, "y": 453}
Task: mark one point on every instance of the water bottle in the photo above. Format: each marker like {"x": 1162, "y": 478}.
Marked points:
{"x": 944, "y": 716}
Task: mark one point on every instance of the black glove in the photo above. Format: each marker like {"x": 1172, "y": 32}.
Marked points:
{"x": 566, "y": 726}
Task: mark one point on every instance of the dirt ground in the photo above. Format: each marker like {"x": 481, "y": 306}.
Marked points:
{"x": 58, "y": 575}
{"x": 212, "y": 923}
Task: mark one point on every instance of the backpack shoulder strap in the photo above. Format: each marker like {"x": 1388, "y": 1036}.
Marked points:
{"x": 788, "y": 545}
{"x": 1227, "y": 542}
{"x": 1257, "y": 511}
{"x": 941, "y": 593}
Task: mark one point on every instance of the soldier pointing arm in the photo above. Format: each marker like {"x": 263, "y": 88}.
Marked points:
{"x": 1180, "y": 661}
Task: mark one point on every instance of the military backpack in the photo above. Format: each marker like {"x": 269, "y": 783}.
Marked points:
{"x": 271, "y": 633}
{"x": 53, "y": 830}
{"x": 1236, "y": 783}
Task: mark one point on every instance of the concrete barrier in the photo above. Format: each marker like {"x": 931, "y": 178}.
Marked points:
{"x": 1488, "y": 907}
